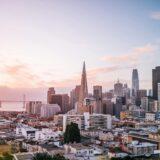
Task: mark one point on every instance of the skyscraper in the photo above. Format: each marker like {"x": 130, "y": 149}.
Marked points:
{"x": 74, "y": 96}
{"x": 118, "y": 89}
{"x": 83, "y": 92}
{"x": 50, "y": 93}
{"x": 155, "y": 81}
{"x": 62, "y": 100}
{"x": 97, "y": 94}
{"x": 135, "y": 82}
{"x": 84, "y": 88}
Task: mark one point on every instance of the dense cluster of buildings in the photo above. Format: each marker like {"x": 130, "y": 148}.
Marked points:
{"x": 118, "y": 123}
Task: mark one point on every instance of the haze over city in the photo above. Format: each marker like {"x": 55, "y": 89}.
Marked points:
{"x": 44, "y": 43}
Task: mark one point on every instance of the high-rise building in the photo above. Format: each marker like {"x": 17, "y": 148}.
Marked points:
{"x": 83, "y": 91}
{"x": 135, "y": 82}
{"x": 62, "y": 100}
{"x": 155, "y": 81}
{"x": 118, "y": 89}
{"x": 118, "y": 106}
{"x": 159, "y": 92}
{"x": 50, "y": 93}
{"x": 107, "y": 106}
{"x": 145, "y": 103}
{"x": 140, "y": 94}
{"x": 97, "y": 94}
{"x": 108, "y": 95}
{"x": 84, "y": 88}
{"x": 74, "y": 96}
{"x": 48, "y": 110}
{"x": 126, "y": 91}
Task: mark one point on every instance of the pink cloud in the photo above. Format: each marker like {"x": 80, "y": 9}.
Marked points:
{"x": 155, "y": 15}
{"x": 132, "y": 57}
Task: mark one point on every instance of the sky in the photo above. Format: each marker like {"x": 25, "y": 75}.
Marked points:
{"x": 44, "y": 44}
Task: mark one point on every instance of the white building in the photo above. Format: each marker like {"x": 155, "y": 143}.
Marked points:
{"x": 79, "y": 150}
{"x": 144, "y": 103}
{"x": 48, "y": 110}
{"x": 47, "y": 134}
{"x": 86, "y": 121}
{"x": 26, "y": 131}
{"x": 150, "y": 116}
{"x": 142, "y": 149}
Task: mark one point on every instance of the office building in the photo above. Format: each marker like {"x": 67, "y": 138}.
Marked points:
{"x": 139, "y": 95}
{"x": 118, "y": 89}
{"x": 159, "y": 92}
{"x": 50, "y": 93}
{"x": 118, "y": 106}
{"x": 62, "y": 100}
{"x": 107, "y": 106}
{"x": 145, "y": 103}
{"x": 83, "y": 89}
{"x": 155, "y": 81}
{"x": 48, "y": 110}
{"x": 135, "y": 82}
{"x": 74, "y": 96}
{"x": 97, "y": 94}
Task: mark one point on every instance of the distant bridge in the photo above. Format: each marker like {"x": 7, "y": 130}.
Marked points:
{"x": 13, "y": 101}
{"x": 23, "y": 100}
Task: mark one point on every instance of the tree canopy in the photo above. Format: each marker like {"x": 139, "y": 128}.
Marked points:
{"x": 46, "y": 156}
{"x": 72, "y": 133}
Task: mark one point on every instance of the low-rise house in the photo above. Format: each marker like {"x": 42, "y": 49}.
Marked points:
{"x": 79, "y": 150}
{"x": 117, "y": 154}
{"x": 141, "y": 149}
{"x": 47, "y": 134}
{"x": 26, "y": 131}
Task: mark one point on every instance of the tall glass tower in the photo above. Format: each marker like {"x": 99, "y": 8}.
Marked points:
{"x": 135, "y": 82}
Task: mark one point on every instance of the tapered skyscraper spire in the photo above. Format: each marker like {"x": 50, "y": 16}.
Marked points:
{"x": 84, "y": 87}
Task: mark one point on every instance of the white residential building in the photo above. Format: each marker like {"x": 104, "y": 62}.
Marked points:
{"x": 86, "y": 121}
{"x": 47, "y": 134}
{"x": 79, "y": 150}
{"x": 26, "y": 131}
{"x": 150, "y": 116}
{"x": 142, "y": 149}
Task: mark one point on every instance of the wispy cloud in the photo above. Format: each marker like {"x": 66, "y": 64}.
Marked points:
{"x": 20, "y": 75}
{"x": 155, "y": 15}
{"x": 101, "y": 70}
{"x": 131, "y": 57}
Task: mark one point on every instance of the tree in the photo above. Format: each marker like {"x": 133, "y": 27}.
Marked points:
{"x": 46, "y": 156}
{"x": 42, "y": 156}
{"x": 72, "y": 133}
{"x": 58, "y": 157}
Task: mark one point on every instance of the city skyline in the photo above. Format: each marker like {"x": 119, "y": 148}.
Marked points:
{"x": 44, "y": 44}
